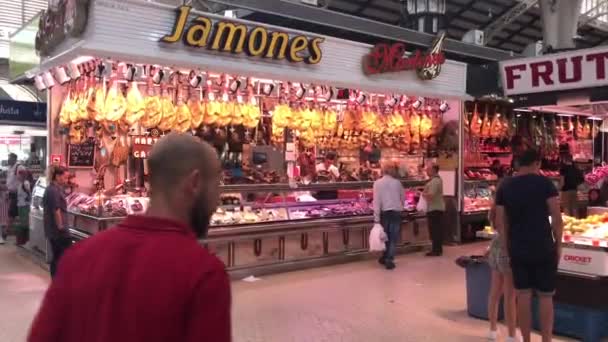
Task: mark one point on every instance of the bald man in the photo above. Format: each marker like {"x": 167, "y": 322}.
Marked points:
{"x": 147, "y": 279}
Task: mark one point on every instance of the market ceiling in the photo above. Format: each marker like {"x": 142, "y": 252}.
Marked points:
{"x": 368, "y": 20}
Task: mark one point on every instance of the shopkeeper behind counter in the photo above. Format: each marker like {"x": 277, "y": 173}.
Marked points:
{"x": 328, "y": 165}
{"x": 324, "y": 170}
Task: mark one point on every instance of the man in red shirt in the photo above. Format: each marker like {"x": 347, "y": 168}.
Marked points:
{"x": 147, "y": 279}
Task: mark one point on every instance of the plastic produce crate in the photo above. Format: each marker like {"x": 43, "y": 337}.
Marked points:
{"x": 588, "y": 325}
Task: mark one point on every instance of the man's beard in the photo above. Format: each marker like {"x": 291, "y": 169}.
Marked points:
{"x": 200, "y": 217}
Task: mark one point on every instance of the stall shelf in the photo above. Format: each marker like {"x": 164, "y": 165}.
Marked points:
{"x": 244, "y": 76}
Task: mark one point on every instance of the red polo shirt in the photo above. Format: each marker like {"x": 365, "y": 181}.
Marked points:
{"x": 145, "y": 280}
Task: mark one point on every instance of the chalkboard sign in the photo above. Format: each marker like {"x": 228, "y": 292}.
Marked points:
{"x": 81, "y": 155}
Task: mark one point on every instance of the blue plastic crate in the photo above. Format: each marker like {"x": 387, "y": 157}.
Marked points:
{"x": 588, "y": 325}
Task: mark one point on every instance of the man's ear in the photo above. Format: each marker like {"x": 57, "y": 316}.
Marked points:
{"x": 194, "y": 181}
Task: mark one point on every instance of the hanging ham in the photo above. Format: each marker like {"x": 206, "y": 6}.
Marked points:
{"x": 115, "y": 105}
{"x": 136, "y": 106}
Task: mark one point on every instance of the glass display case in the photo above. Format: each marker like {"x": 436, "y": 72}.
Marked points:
{"x": 247, "y": 205}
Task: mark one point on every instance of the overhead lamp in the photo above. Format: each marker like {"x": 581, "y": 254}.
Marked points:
{"x": 361, "y": 98}
{"x": 444, "y": 107}
{"x": 327, "y": 93}
{"x": 132, "y": 72}
{"x": 196, "y": 79}
{"x": 267, "y": 89}
{"x": 103, "y": 69}
{"x": 74, "y": 71}
{"x": 39, "y": 83}
{"x": 234, "y": 85}
{"x": 391, "y": 101}
{"x": 418, "y": 103}
{"x": 49, "y": 81}
{"x": 61, "y": 75}
{"x": 300, "y": 91}
{"x": 159, "y": 75}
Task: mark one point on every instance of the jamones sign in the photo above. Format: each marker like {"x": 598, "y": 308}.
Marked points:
{"x": 237, "y": 38}
{"x": 563, "y": 71}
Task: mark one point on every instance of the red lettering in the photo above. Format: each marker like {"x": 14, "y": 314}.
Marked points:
{"x": 577, "y": 73}
{"x": 578, "y": 259}
{"x": 385, "y": 58}
{"x": 538, "y": 73}
{"x": 511, "y": 76}
{"x": 600, "y": 63}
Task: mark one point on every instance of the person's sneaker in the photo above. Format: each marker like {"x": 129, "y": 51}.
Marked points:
{"x": 1, "y": 240}
{"x": 381, "y": 261}
{"x": 389, "y": 265}
{"x": 492, "y": 335}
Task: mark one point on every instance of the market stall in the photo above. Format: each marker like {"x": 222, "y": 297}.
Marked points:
{"x": 300, "y": 126}
{"x": 562, "y": 95}
{"x": 495, "y": 132}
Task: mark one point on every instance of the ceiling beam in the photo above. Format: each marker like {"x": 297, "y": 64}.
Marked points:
{"x": 336, "y": 20}
{"x": 482, "y": 24}
{"x": 518, "y": 31}
{"x": 507, "y": 31}
{"x": 363, "y": 6}
{"x": 458, "y": 13}
{"x": 507, "y": 18}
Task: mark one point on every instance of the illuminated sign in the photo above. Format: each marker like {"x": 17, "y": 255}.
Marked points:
{"x": 392, "y": 58}
{"x": 238, "y": 38}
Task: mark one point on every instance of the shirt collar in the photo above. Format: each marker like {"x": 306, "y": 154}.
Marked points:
{"x": 157, "y": 224}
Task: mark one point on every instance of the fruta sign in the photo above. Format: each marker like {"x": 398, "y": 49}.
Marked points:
{"x": 237, "y": 38}
{"x": 564, "y": 71}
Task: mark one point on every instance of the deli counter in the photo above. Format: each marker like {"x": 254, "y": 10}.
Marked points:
{"x": 261, "y": 228}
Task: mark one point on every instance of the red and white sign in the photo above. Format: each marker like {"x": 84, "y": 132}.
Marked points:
{"x": 562, "y": 71}
{"x": 587, "y": 261}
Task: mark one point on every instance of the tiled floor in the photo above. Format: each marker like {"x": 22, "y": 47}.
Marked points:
{"x": 422, "y": 300}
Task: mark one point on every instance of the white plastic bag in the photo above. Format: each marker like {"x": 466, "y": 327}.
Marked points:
{"x": 422, "y": 205}
{"x": 377, "y": 239}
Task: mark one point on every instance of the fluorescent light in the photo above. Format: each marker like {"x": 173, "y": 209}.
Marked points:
{"x": 595, "y": 118}
{"x": 566, "y": 115}
{"x": 523, "y": 110}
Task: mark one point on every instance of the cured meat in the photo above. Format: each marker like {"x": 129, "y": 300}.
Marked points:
{"x": 570, "y": 125}
{"x": 437, "y": 123}
{"x": 197, "y": 110}
{"x": 76, "y": 133}
{"x": 426, "y": 126}
{"x": 136, "y": 106}
{"x": 415, "y": 129}
{"x": 475, "y": 123}
{"x": 96, "y": 105}
{"x": 587, "y": 130}
{"x": 68, "y": 107}
{"x": 505, "y": 126}
{"x": 330, "y": 122}
{"x": 496, "y": 128}
{"x": 580, "y": 129}
{"x": 115, "y": 105}
{"x": 152, "y": 109}
{"x": 213, "y": 109}
{"x": 168, "y": 113}
{"x": 183, "y": 116}
{"x": 485, "y": 125}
